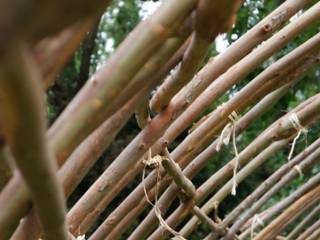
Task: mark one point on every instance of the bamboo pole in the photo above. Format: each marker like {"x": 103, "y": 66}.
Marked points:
{"x": 311, "y": 159}
{"x": 165, "y": 201}
{"x": 200, "y": 161}
{"x": 311, "y": 216}
{"x": 236, "y": 73}
{"x": 194, "y": 168}
{"x": 295, "y": 210}
{"x": 311, "y": 233}
{"x": 160, "y": 122}
{"x": 278, "y": 130}
{"x": 265, "y": 217}
{"x": 247, "y": 43}
{"x": 315, "y": 180}
{"x": 213, "y": 124}
{"x": 25, "y": 131}
{"x": 89, "y": 151}
{"x": 211, "y": 18}
{"x": 191, "y": 141}
{"x": 224, "y": 191}
{"x": 276, "y": 176}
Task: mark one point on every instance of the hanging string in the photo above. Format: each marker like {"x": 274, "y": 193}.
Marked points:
{"x": 294, "y": 120}
{"x": 234, "y": 118}
{"x": 156, "y": 162}
{"x": 256, "y": 219}
{"x": 228, "y": 131}
{"x": 297, "y": 167}
{"x": 225, "y": 134}
{"x": 224, "y": 137}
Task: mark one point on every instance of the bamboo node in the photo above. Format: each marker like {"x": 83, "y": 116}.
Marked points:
{"x": 294, "y": 120}
{"x": 267, "y": 28}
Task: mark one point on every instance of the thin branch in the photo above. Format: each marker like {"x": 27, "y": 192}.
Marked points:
{"x": 266, "y": 216}
{"x": 302, "y": 225}
{"x": 91, "y": 149}
{"x": 206, "y": 220}
{"x": 275, "y": 131}
{"x": 25, "y": 131}
{"x": 199, "y": 162}
{"x": 221, "y": 84}
{"x": 309, "y": 161}
{"x": 311, "y": 232}
{"x": 96, "y": 100}
{"x": 176, "y": 173}
{"x": 211, "y": 19}
{"x": 190, "y": 171}
{"x": 284, "y": 203}
{"x": 155, "y": 127}
{"x": 161, "y": 122}
{"x": 224, "y": 191}
{"x": 276, "y": 176}
{"x": 290, "y": 214}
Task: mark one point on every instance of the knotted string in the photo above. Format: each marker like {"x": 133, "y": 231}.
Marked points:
{"x": 294, "y": 120}
{"x": 297, "y": 167}
{"x": 81, "y": 237}
{"x": 256, "y": 219}
{"x": 228, "y": 131}
{"x": 156, "y": 162}
{"x": 234, "y": 118}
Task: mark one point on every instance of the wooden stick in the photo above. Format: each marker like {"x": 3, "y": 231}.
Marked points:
{"x": 302, "y": 225}
{"x": 297, "y": 208}
{"x": 25, "y": 130}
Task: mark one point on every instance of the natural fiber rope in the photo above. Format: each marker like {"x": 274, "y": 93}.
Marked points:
{"x": 297, "y": 167}
{"x": 156, "y": 161}
{"x": 256, "y": 219}
{"x": 234, "y": 117}
{"x": 228, "y": 131}
{"x": 294, "y": 120}
{"x": 81, "y": 237}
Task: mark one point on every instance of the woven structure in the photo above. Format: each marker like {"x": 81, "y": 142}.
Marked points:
{"x": 165, "y": 54}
